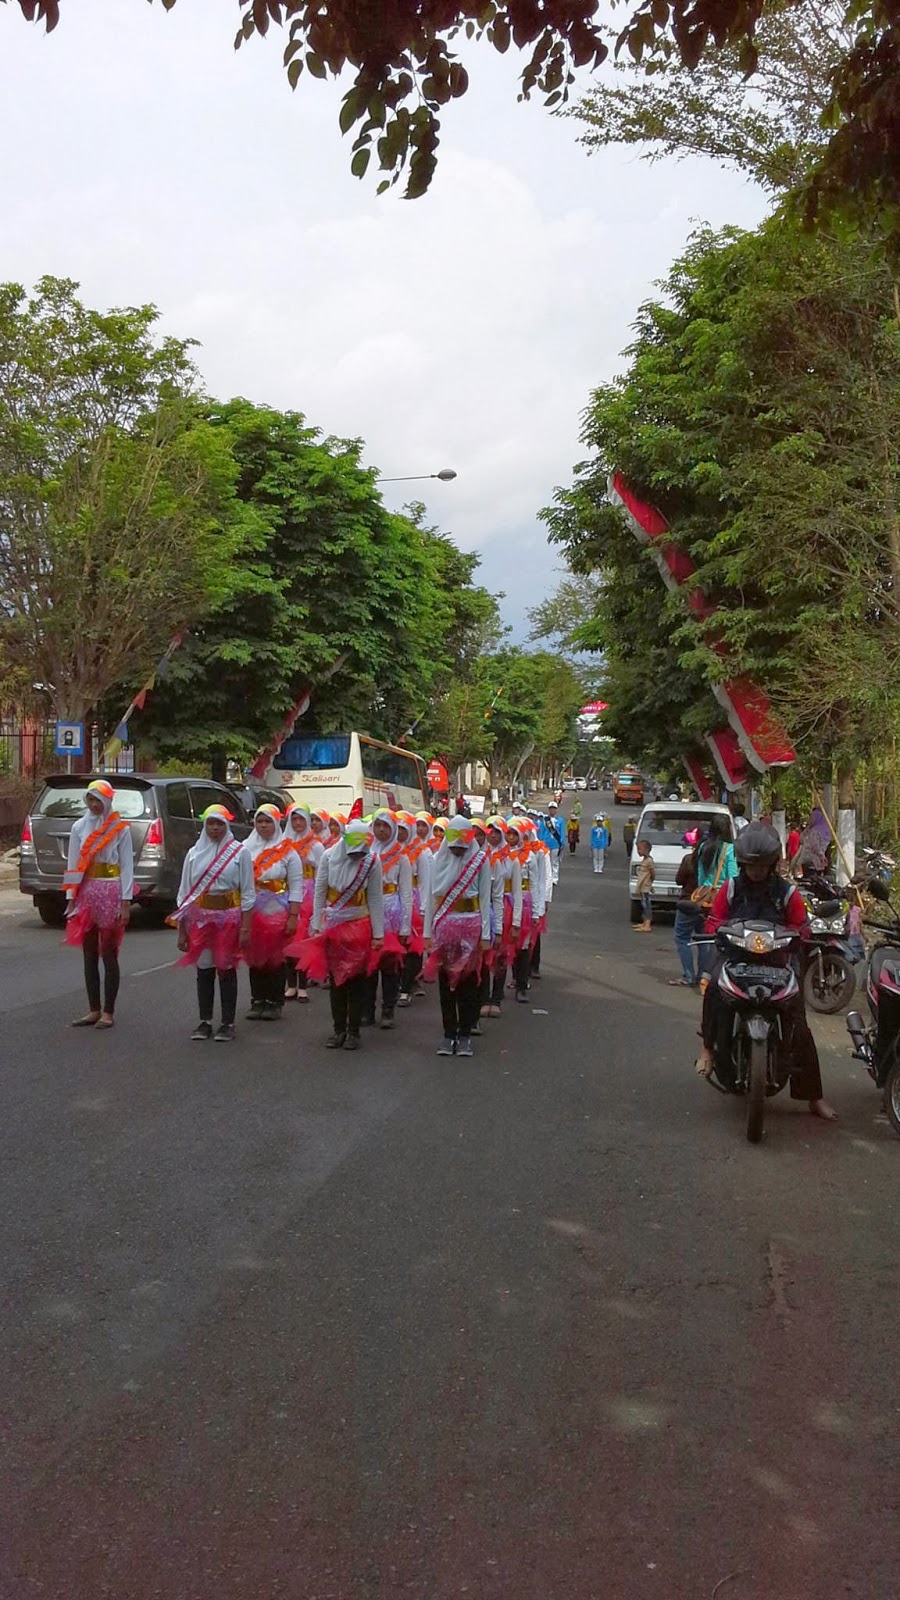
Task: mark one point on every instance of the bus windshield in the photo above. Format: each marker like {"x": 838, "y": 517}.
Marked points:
{"x": 332, "y": 771}
{"x": 313, "y": 752}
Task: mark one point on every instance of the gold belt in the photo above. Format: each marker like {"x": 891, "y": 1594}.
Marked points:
{"x": 273, "y": 885}
{"x": 103, "y": 869}
{"x": 390, "y": 888}
{"x": 359, "y": 899}
{"x": 526, "y": 883}
{"x": 309, "y": 870}
{"x": 467, "y": 903}
{"x": 220, "y": 902}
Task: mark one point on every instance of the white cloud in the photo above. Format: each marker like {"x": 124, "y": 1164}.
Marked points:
{"x": 463, "y": 330}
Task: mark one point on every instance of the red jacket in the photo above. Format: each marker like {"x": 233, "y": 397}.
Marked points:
{"x": 794, "y": 913}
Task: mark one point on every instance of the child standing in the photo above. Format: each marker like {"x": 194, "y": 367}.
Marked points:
{"x": 644, "y": 886}
{"x": 599, "y": 843}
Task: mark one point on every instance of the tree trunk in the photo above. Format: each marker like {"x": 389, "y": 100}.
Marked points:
{"x": 846, "y": 823}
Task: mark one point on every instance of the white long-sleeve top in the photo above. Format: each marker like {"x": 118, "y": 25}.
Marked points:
{"x": 332, "y": 873}
{"x": 533, "y": 876}
{"x": 397, "y": 879}
{"x": 119, "y": 852}
{"x": 545, "y": 857}
{"x": 235, "y": 878}
{"x": 422, "y": 873}
{"x": 480, "y": 888}
{"x": 506, "y": 876}
{"x": 288, "y": 868}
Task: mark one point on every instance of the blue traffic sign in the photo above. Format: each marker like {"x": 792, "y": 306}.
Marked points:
{"x": 70, "y": 739}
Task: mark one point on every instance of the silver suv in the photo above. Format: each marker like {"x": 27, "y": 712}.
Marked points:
{"x": 163, "y": 814}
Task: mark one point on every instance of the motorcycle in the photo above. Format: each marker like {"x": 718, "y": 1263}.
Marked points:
{"x": 878, "y": 1046}
{"x": 829, "y": 979}
{"x": 748, "y": 1057}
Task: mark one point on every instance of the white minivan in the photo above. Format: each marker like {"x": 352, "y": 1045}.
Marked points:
{"x": 664, "y": 824}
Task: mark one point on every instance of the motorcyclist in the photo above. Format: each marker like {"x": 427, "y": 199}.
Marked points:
{"x": 759, "y": 893}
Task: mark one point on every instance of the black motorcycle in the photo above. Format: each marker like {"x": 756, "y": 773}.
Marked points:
{"x": 879, "y": 1045}
{"x": 829, "y": 979}
{"x": 748, "y": 1057}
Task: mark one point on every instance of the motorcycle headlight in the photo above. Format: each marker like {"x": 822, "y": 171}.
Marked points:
{"x": 818, "y": 926}
{"x": 836, "y": 925}
{"x": 760, "y": 942}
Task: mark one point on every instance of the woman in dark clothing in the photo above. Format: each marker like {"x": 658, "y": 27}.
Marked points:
{"x": 689, "y": 918}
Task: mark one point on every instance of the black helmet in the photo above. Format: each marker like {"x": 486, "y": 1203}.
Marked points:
{"x": 758, "y": 845}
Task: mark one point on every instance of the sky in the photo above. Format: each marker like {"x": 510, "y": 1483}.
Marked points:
{"x": 149, "y": 161}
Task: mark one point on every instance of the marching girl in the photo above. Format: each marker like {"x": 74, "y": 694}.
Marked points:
{"x": 335, "y": 829}
{"x": 506, "y": 916}
{"x": 309, "y": 850}
{"x": 458, "y": 931}
{"x": 278, "y": 879}
{"x": 421, "y": 861}
{"x": 438, "y": 829}
{"x": 347, "y": 929}
{"x": 541, "y": 865}
{"x": 397, "y": 889}
{"x": 519, "y": 835}
{"x": 215, "y": 907}
{"x": 99, "y": 884}
{"x": 319, "y": 822}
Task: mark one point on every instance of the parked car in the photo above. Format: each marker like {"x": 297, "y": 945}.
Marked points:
{"x": 254, "y": 795}
{"x": 568, "y": 783}
{"x": 581, "y": 783}
{"x": 664, "y": 824}
{"x": 163, "y": 814}
{"x": 594, "y": 783}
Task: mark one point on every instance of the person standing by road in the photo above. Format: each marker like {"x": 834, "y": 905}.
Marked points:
{"x": 99, "y": 884}
{"x": 215, "y": 908}
{"x": 628, "y": 833}
{"x": 551, "y": 831}
{"x": 346, "y": 931}
{"x": 599, "y": 843}
{"x": 309, "y": 851}
{"x": 278, "y": 880}
{"x": 689, "y": 917}
{"x": 458, "y": 932}
{"x": 644, "y": 886}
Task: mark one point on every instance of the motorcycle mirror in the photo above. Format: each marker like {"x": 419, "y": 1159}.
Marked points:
{"x": 877, "y": 889}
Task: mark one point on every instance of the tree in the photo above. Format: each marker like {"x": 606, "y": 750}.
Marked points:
{"x": 761, "y": 413}
{"x": 117, "y": 519}
{"x": 564, "y": 613}
{"x": 329, "y": 578}
{"x": 769, "y": 125}
{"x": 405, "y": 70}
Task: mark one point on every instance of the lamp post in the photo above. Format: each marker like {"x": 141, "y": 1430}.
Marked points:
{"x": 446, "y": 475}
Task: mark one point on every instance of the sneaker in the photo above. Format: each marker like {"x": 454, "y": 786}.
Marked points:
{"x": 485, "y": 1011}
{"x": 256, "y": 1012}
{"x": 535, "y": 975}
{"x": 336, "y": 1042}
{"x": 475, "y": 1030}
{"x": 387, "y": 1018}
{"x": 522, "y": 998}
{"x": 464, "y": 1045}
{"x": 403, "y": 1000}
{"x": 203, "y": 1030}
{"x": 271, "y": 1011}
{"x": 225, "y": 1033}
{"x": 447, "y": 1046}
{"x": 352, "y": 1041}
{"x": 367, "y": 1022}
{"x": 419, "y": 992}
{"x": 495, "y": 1011}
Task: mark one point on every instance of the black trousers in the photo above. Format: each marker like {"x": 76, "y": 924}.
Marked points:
{"x": 459, "y": 1006}
{"x": 389, "y": 974}
{"x": 206, "y": 993}
{"x": 412, "y": 966}
{"x": 347, "y": 1001}
{"x": 493, "y": 983}
{"x": 536, "y": 955}
{"x": 267, "y": 983}
{"x": 294, "y": 977}
{"x": 91, "y": 950}
{"x": 522, "y": 969}
{"x": 798, "y": 1043}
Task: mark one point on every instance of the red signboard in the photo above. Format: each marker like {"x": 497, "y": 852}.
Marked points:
{"x": 438, "y": 777}
{"x": 594, "y": 708}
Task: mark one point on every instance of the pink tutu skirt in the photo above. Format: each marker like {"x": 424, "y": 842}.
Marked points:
{"x": 457, "y": 948}
{"x": 99, "y": 905}
{"x": 417, "y": 937}
{"x": 340, "y": 953}
{"x": 216, "y": 931}
{"x": 267, "y": 940}
{"x": 303, "y": 921}
{"x": 526, "y": 935}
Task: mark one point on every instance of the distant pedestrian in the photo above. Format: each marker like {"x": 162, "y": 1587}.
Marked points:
{"x": 689, "y": 917}
{"x": 644, "y": 886}
{"x": 739, "y": 813}
{"x": 551, "y": 832}
{"x": 573, "y": 834}
{"x": 599, "y": 844}
{"x": 99, "y": 883}
{"x": 628, "y": 833}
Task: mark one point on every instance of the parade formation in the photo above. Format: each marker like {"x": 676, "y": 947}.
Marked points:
{"x": 357, "y": 904}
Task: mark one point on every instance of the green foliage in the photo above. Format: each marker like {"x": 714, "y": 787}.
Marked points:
{"x": 761, "y": 413}
{"x": 117, "y": 516}
{"x": 330, "y": 579}
{"x": 406, "y": 70}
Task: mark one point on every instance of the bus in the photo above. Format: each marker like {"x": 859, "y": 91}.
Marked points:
{"x": 330, "y": 771}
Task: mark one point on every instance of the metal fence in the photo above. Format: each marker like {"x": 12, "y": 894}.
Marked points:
{"x": 26, "y": 748}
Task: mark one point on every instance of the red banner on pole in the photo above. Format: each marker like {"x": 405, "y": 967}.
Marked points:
{"x": 438, "y": 777}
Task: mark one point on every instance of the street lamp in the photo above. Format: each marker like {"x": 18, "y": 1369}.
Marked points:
{"x": 446, "y": 475}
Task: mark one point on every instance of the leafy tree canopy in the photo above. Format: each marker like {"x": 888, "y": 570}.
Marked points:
{"x": 406, "y": 68}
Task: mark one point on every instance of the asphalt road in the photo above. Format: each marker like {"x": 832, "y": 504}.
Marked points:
{"x": 538, "y": 1326}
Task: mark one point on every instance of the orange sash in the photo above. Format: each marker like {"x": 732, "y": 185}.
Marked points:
{"x": 93, "y": 844}
{"x": 269, "y": 858}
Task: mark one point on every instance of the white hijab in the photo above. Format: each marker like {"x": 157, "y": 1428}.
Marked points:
{"x": 256, "y": 844}
{"x": 206, "y": 849}
{"x": 88, "y": 823}
{"x": 344, "y": 863}
{"x": 449, "y": 863}
{"x": 382, "y": 847}
{"x": 289, "y": 831}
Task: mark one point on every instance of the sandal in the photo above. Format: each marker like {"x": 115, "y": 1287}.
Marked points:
{"x": 89, "y": 1021}
{"x": 105, "y": 1022}
{"x": 679, "y": 983}
{"x": 702, "y": 1068}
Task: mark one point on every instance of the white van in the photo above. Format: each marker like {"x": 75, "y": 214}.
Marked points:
{"x": 664, "y": 824}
